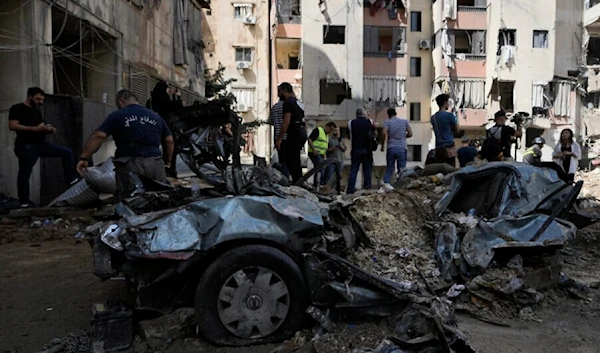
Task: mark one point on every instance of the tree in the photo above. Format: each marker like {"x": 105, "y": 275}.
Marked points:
{"x": 217, "y": 86}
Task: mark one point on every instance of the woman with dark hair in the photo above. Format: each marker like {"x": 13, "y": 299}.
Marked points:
{"x": 567, "y": 154}
{"x": 165, "y": 100}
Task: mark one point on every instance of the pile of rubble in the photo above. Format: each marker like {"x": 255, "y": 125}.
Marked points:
{"x": 591, "y": 183}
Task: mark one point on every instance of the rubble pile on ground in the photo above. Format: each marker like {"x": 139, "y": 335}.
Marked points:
{"x": 591, "y": 183}
{"x": 402, "y": 245}
{"x": 41, "y": 229}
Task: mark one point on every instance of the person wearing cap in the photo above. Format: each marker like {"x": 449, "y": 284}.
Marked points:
{"x": 467, "y": 153}
{"x": 503, "y": 135}
{"x": 533, "y": 155}
{"x": 362, "y": 133}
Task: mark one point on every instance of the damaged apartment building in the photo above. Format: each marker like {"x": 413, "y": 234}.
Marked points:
{"x": 519, "y": 56}
{"x": 591, "y": 110}
{"x": 81, "y": 53}
{"x": 342, "y": 55}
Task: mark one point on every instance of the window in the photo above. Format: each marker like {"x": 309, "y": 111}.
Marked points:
{"x": 415, "y": 111}
{"x": 414, "y": 153}
{"x": 242, "y": 11}
{"x": 243, "y": 54}
{"x": 382, "y": 40}
{"x": 467, "y": 42}
{"x": 334, "y": 34}
{"x": 540, "y": 39}
{"x": 415, "y": 21}
{"x": 506, "y": 37}
{"x": 503, "y": 92}
{"x": 415, "y": 67}
{"x": 333, "y": 93}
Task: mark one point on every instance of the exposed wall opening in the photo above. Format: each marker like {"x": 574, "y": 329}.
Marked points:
{"x": 334, "y": 93}
{"x": 593, "y": 51}
{"x": 468, "y": 42}
{"x": 503, "y": 92}
{"x": 288, "y": 53}
{"x": 288, "y": 11}
{"x": 506, "y": 37}
{"x": 413, "y": 153}
{"x": 381, "y": 40}
{"x": 84, "y": 59}
{"x": 334, "y": 34}
{"x": 471, "y": 3}
{"x": 540, "y": 39}
{"x": 415, "y": 111}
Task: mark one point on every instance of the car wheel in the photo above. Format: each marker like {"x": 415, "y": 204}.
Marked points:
{"x": 252, "y": 294}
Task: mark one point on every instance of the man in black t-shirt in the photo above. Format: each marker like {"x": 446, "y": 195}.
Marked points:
{"x": 26, "y": 120}
{"x": 504, "y": 134}
{"x": 293, "y": 125}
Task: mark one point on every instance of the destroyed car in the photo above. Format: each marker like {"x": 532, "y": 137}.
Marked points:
{"x": 237, "y": 260}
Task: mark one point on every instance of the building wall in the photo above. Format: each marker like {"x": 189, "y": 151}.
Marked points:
{"x": 144, "y": 37}
{"x": 222, "y": 34}
{"x": 335, "y": 62}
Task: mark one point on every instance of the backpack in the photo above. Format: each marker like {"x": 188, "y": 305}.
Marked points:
{"x": 491, "y": 149}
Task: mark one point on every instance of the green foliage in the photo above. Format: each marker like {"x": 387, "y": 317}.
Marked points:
{"x": 216, "y": 86}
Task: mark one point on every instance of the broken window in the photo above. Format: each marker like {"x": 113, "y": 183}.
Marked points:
{"x": 467, "y": 42}
{"x": 334, "y": 34}
{"x": 540, "y": 39}
{"x": 288, "y": 53}
{"x": 383, "y": 40}
{"x": 415, "y": 67}
{"x": 333, "y": 92}
{"x": 415, "y": 21}
{"x": 506, "y": 37}
{"x": 593, "y": 51}
{"x": 503, "y": 92}
{"x": 472, "y": 3}
{"x": 415, "y": 111}
{"x": 242, "y": 11}
{"x": 288, "y": 11}
{"x": 243, "y": 54}
{"x": 413, "y": 153}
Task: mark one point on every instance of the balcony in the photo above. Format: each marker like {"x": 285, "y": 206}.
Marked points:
{"x": 472, "y": 8}
{"x": 288, "y": 12}
{"x": 471, "y": 14}
{"x": 384, "y": 42}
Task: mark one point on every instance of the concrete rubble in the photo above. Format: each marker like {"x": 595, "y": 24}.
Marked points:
{"x": 385, "y": 271}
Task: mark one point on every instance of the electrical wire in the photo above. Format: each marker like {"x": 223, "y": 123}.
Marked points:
{"x": 17, "y": 9}
{"x": 67, "y": 77}
{"x": 64, "y": 22}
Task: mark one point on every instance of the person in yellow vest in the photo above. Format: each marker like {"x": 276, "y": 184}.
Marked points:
{"x": 318, "y": 143}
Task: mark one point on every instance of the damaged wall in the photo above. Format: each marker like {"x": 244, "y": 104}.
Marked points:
{"x": 144, "y": 35}
{"x": 341, "y": 59}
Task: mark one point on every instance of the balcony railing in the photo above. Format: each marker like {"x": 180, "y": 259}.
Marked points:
{"x": 383, "y": 54}
{"x": 473, "y": 8}
{"x": 472, "y": 57}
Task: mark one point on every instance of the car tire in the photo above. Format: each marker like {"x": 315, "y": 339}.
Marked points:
{"x": 237, "y": 285}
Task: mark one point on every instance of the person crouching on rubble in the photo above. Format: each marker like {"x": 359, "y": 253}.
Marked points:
{"x": 567, "y": 154}
{"x": 138, "y": 133}
{"x": 445, "y": 125}
{"x": 533, "y": 155}
{"x": 467, "y": 153}
{"x": 318, "y": 142}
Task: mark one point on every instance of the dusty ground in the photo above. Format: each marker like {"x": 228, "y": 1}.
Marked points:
{"x": 47, "y": 289}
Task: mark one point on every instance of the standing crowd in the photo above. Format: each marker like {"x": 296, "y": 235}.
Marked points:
{"x": 140, "y": 132}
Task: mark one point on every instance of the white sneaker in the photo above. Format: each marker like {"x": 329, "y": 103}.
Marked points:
{"x": 388, "y": 186}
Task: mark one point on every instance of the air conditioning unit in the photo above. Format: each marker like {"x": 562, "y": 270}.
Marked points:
{"x": 425, "y": 44}
{"x": 241, "y": 107}
{"x": 250, "y": 20}
{"x": 243, "y": 65}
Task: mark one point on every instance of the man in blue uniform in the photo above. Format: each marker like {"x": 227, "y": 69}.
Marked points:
{"x": 138, "y": 133}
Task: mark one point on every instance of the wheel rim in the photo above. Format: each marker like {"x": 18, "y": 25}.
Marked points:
{"x": 253, "y": 302}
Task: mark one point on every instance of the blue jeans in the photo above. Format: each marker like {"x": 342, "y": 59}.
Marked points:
{"x": 317, "y": 159}
{"x": 396, "y": 157}
{"x": 28, "y": 156}
{"x": 360, "y": 156}
{"x": 330, "y": 172}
